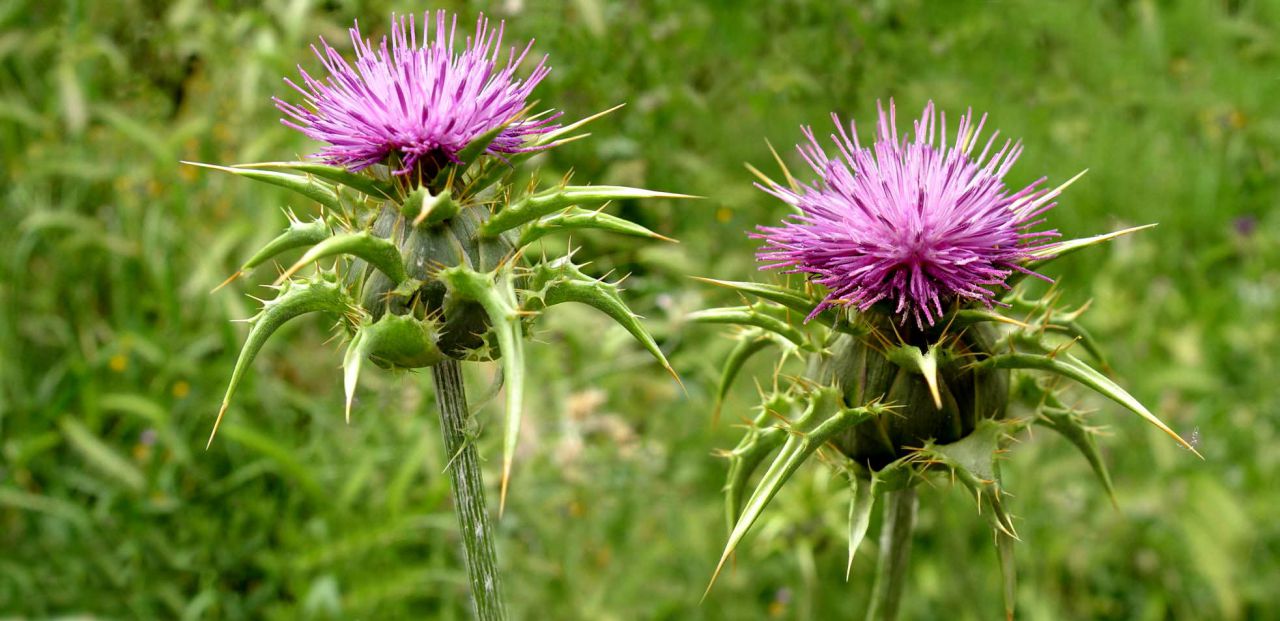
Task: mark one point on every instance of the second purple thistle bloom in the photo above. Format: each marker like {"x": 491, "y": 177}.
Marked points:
{"x": 912, "y": 222}
{"x": 417, "y": 107}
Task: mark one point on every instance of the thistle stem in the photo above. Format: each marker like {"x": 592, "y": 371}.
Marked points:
{"x": 478, "y": 548}
{"x": 895, "y": 552}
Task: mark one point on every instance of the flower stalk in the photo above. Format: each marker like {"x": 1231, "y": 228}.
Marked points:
{"x": 479, "y": 550}
{"x": 895, "y": 553}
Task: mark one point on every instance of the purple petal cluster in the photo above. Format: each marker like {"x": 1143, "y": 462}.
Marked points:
{"x": 913, "y": 222}
{"x": 402, "y": 104}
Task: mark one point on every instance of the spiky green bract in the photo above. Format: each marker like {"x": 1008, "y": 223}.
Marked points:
{"x": 534, "y": 206}
{"x": 428, "y": 269}
{"x": 895, "y": 404}
{"x": 824, "y": 415}
{"x": 322, "y": 294}
{"x": 560, "y": 280}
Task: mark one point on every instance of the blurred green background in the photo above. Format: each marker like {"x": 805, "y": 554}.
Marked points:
{"x": 113, "y": 353}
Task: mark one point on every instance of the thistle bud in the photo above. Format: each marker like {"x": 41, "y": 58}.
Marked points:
{"x": 912, "y": 330}
{"x": 943, "y": 409}
{"x": 422, "y": 217}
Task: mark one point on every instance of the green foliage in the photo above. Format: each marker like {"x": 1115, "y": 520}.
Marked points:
{"x": 115, "y": 355}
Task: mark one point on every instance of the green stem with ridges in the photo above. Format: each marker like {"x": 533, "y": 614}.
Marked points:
{"x": 478, "y": 547}
{"x": 895, "y": 552}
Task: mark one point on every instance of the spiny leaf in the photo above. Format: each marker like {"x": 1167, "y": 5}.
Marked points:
{"x": 965, "y": 317}
{"x": 1069, "y": 366}
{"x": 1071, "y": 426}
{"x": 1043, "y": 313}
{"x": 376, "y": 188}
{"x": 761, "y": 439}
{"x": 1060, "y": 249}
{"x": 379, "y": 252}
{"x": 864, "y": 499}
{"x": 561, "y": 281}
{"x": 547, "y": 202}
{"x": 749, "y": 343}
{"x": 296, "y": 299}
{"x": 298, "y": 234}
{"x": 824, "y": 417}
{"x": 758, "y": 315}
{"x": 972, "y": 462}
{"x": 496, "y": 294}
{"x": 790, "y": 298}
{"x": 494, "y": 168}
{"x": 315, "y": 189}
{"x": 576, "y": 218}
{"x": 555, "y": 134}
{"x": 1085, "y": 338}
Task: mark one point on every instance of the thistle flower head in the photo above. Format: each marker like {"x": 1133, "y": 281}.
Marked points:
{"x": 915, "y": 222}
{"x": 411, "y": 105}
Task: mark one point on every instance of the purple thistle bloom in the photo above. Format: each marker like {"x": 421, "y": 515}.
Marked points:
{"x": 912, "y": 223}
{"x": 406, "y": 104}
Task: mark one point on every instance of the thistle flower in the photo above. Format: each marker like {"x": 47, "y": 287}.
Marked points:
{"x": 911, "y": 228}
{"x": 425, "y": 227}
{"x": 418, "y": 104}
{"x": 914, "y": 222}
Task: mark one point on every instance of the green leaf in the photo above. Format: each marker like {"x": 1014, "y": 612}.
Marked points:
{"x": 283, "y": 457}
{"x": 534, "y": 206}
{"x": 48, "y": 505}
{"x": 312, "y": 188}
{"x": 362, "y": 182}
{"x": 471, "y": 153}
{"x": 296, "y": 298}
{"x": 1052, "y": 252}
{"x": 1069, "y": 366}
{"x": 576, "y": 218}
{"x": 102, "y": 457}
{"x": 379, "y": 252}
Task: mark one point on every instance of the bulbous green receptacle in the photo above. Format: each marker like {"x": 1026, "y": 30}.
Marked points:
{"x": 860, "y": 367}
{"x": 426, "y": 249}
